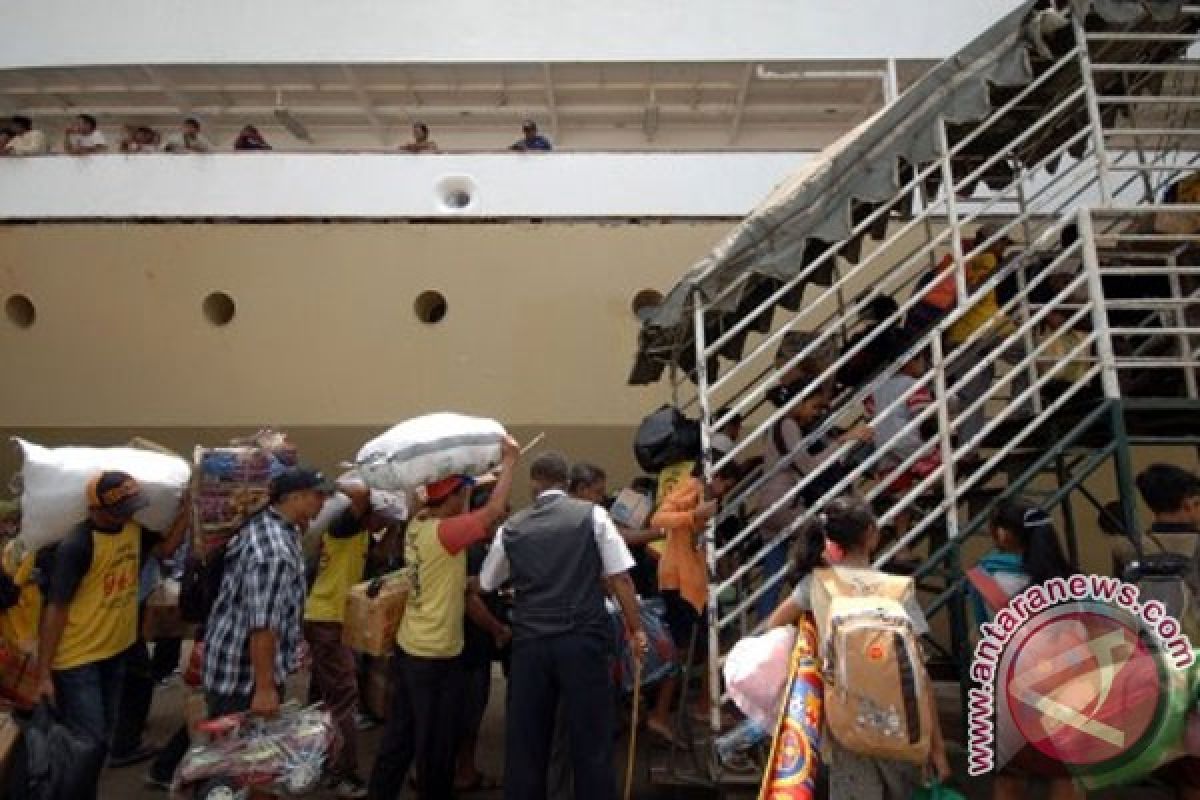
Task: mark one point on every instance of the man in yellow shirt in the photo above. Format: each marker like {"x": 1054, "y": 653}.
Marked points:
{"x": 427, "y": 672}
{"x": 341, "y": 564}
{"x": 91, "y": 615}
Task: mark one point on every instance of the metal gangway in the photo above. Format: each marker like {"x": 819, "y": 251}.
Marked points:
{"x": 1070, "y": 131}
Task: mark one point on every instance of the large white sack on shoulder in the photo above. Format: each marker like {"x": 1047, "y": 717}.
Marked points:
{"x": 428, "y": 448}
{"x": 53, "y": 482}
{"x": 756, "y": 674}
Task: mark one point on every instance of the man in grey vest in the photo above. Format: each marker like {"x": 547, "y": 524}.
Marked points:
{"x": 557, "y": 553}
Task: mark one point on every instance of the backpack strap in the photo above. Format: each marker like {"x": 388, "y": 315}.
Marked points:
{"x": 988, "y": 587}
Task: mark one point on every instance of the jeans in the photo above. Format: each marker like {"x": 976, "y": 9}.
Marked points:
{"x": 87, "y": 697}
{"x": 137, "y": 694}
{"x": 335, "y": 676}
{"x": 423, "y": 727}
{"x": 574, "y": 669}
{"x": 773, "y": 562}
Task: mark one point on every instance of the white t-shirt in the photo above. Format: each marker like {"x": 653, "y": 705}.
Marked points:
{"x": 29, "y": 143}
{"x": 614, "y": 553}
{"x": 89, "y": 140}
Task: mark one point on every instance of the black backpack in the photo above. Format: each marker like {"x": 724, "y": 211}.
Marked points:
{"x": 664, "y": 438}
{"x": 52, "y": 760}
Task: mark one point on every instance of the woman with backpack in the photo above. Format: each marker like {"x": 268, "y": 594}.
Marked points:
{"x": 1027, "y": 553}
{"x": 845, "y": 535}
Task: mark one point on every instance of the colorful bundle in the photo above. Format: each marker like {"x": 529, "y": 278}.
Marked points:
{"x": 286, "y": 753}
{"x": 791, "y": 773}
{"x": 232, "y": 483}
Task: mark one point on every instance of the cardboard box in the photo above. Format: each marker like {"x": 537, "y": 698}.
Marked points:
{"x": 631, "y": 509}
{"x": 162, "y": 619}
{"x": 370, "y": 623}
{"x": 377, "y": 687}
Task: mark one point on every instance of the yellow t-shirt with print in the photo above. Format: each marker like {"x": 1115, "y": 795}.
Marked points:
{"x": 342, "y": 563}
{"x": 432, "y": 626}
{"x": 102, "y": 615}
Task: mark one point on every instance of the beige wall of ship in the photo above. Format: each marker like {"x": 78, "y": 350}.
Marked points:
{"x": 325, "y": 341}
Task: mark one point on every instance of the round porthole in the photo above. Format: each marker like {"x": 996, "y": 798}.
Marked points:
{"x": 431, "y": 307}
{"x": 20, "y": 311}
{"x": 456, "y": 193}
{"x": 219, "y": 308}
{"x": 645, "y": 302}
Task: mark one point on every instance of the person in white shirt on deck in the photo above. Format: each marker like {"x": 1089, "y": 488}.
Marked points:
{"x": 189, "y": 139}
{"x": 83, "y": 138}
{"x": 556, "y": 553}
{"x": 25, "y": 140}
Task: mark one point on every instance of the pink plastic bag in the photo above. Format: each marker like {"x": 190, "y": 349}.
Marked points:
{"x": 756, "y": 674}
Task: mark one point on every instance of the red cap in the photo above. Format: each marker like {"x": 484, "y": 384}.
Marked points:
{"x": 440, "y": 490}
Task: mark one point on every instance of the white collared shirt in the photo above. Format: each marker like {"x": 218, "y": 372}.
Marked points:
{"x": 614, "y": 553}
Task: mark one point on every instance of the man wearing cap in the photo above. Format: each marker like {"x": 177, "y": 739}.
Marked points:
{"x": 427, "y": 673}
{"x": 341, "y": 564}
{"x": 253, "y": 633}
{"x": 91, "y": 615}
{"x": 558, "y": 553}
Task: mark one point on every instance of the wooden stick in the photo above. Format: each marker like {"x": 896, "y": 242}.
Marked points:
{"x": 631, "y": 761}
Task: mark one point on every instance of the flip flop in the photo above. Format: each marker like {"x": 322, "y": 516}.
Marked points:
{"x": 482, "y": 783}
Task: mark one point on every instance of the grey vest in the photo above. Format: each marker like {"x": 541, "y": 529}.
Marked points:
{"x": 556, "y": 569}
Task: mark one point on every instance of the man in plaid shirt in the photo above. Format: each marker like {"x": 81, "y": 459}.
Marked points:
{"x": 254, "y": 629}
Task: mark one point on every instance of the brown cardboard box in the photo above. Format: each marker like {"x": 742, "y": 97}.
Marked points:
{"x": 370, "y": 623}
{"x": 162, "y": 619}
{"x": 377, "y": 688}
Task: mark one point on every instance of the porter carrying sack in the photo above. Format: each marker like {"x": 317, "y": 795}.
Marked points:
{"x": 878, "y": 701}
{"x": 54, "y": 482}
{"x": 427, "y": 449}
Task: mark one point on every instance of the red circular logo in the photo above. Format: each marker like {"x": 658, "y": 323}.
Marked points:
{"x": 1083, "y": 688}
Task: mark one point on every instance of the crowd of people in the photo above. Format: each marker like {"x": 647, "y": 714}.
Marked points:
{"x": 20, "y": 137}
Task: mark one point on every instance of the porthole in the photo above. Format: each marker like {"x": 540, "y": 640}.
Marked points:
{"x": 219, "y": 308}
{"x": 20, "y": 311}
{"x": 431, "y": 307}
{"x": 645, "y": 302}
{"x": 456, "y": 193}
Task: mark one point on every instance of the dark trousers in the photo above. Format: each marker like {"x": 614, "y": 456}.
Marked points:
{"x": 561, "y": 778}
{"x": 87, "y": 697}
{"x": 334, "y": 676}
{"x": 137, "y": 694}
{"x": 166, "y": 658}
{"x": 423, "y": 728}
{"x": 572, "y": 668}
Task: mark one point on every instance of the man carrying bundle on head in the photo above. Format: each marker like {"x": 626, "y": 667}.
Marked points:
{"x": 91, "y": 616}
{"x": 427, "y": 672}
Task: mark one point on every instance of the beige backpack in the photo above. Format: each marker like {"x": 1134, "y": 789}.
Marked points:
{"x": 877, "y": 700}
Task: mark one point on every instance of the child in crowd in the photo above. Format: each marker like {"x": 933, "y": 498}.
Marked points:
{"x": 846, "y": 535}
{"x": 1027, "y": 553}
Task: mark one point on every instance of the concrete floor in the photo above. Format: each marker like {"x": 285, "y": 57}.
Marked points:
{"x": 126, "y": 784}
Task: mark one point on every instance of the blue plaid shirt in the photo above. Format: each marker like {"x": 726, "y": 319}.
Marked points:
{"x": 263, "y": 588}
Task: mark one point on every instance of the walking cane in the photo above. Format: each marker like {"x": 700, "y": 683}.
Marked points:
{"x": 631, "y": 761}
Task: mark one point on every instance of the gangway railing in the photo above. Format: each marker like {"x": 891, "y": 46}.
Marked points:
{"x": 1112, "y": 132}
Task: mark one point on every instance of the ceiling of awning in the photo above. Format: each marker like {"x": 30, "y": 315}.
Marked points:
{"x": 818, "y": 207}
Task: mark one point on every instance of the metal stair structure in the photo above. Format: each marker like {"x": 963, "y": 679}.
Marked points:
{"x": 1083, "y": 118}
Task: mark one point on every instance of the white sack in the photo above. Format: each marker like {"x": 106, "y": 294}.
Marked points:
{"x": 426, "y": 449}
{"x": 54, "y": 481}
{"x": 756, "y": 674}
